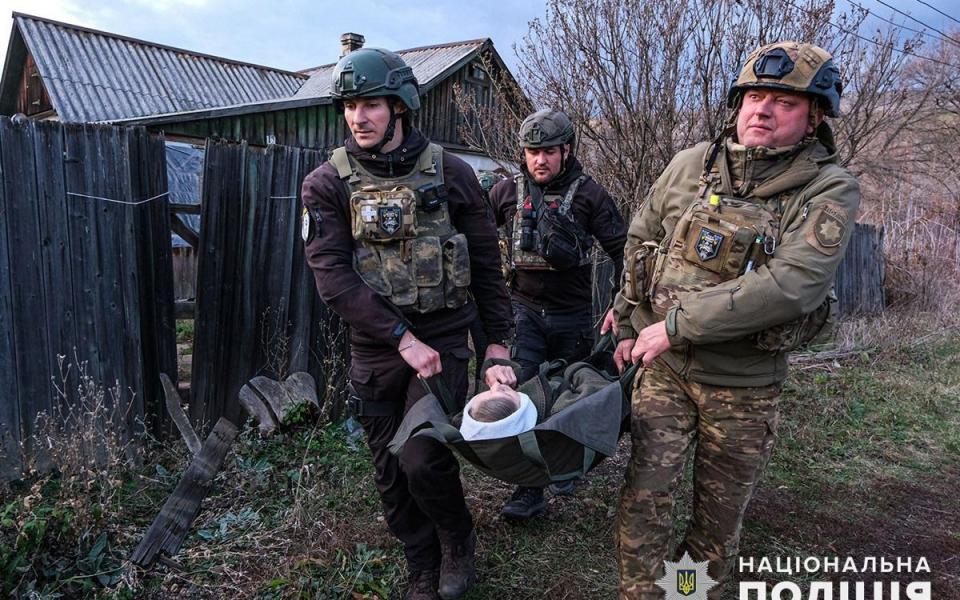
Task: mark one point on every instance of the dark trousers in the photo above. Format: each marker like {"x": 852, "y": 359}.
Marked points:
{"x": 420, "y": 490}
{"x": 542, "y": 336}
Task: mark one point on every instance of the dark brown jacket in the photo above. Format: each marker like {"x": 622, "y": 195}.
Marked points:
{"x": 372, "y": 318}
{"x": 570, "y": 290}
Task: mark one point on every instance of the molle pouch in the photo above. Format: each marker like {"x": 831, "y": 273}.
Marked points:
{"x": 432, "y": 197}
{"x": 718, "y": 246}
{"x": 456, "y": 265}
{"x": 638, "y": 271}
{"x": 427, "y": 263}
{"x": 367, "y": 264}
{"x": 799, "y": 333}
{"x": 398, "y": 274}
{"x": 384, "y": 216}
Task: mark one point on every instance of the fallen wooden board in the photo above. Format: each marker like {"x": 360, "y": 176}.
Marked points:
{"x": 175, "y": 408}
{"x": 170, "y": 528}
{"x": 271, "y": 402}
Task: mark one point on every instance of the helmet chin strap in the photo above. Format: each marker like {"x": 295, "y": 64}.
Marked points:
{"x": 388, "y": 134}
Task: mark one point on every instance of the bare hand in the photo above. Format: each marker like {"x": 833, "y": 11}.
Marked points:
{"x": 496, "y": 351}
{"x": 608, "y": 322}
{"x": 652, "y": 341}
{"x": 420, "y": 356}
{"x": 621, "y": 355}
{"x": 500, "y": 374}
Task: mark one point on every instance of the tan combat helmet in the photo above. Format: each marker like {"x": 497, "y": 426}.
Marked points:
{"x": 793, "y": 66}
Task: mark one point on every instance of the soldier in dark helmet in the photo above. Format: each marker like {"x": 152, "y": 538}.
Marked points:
{"x": 400, "y": 243}
{"x": 551, "y": 213}
{"x": 728, "y": 267}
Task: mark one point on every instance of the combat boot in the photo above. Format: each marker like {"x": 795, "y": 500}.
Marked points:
{"x": 525, "y": 502}
{"x": 457, "y": 570}
{"x": 423, "y": 585}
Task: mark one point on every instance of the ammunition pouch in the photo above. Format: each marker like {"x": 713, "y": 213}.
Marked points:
{"x": 408, "y": 250}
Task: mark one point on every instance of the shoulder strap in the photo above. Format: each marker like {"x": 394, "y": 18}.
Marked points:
{"x": 520, "y": 180}
{"x": 571, "y": 192}
{"x": 340, "y": 160}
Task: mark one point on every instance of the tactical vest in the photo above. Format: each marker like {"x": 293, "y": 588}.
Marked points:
{"x": 408, "y": 250}
{"x": 716, "y": 239}
{"x": 565, "y": 228}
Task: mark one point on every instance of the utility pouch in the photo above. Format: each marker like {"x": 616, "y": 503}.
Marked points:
{"x": 384, "y": 216}
{"x": 559, "y": 243}
{"x": 797, "y": 334}
{"x": 638, "y": 271}
{"x": 456, "y": 264}
{"x": 432, "y": 197}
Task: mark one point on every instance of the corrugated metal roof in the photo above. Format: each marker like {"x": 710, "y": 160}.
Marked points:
{"x": 428, "y": 63}
{"x": 98, "y": 76}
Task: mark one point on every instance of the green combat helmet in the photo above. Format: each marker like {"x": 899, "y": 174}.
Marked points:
{"x": 546, "y": 128}
{"x": 375, "y": 72}
{"x": 370, "y": 72}
{"x": 793, "y": 66}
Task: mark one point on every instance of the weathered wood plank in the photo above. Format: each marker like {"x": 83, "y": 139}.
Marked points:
{"x": 177, "y": 414}
{"x": 155, "y": 269}
{"x": 170, "y": 528}
{"x": 30, "y": 337}
{"x": 10, "y": 466}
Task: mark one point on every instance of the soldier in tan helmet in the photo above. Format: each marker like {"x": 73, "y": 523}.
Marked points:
{"x": 728, "y": 266}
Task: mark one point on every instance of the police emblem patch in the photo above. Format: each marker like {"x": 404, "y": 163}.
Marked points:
{"x": 390, "y": 218}
{"x": 708, "y": 244}
{"x": 827, "y": 228}
{"x": 305, "y": 225}
{"x": 686, "y": 579}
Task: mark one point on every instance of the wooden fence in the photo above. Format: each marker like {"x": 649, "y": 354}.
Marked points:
{"x": 184, "y": 273}
{"x": 258, "y": 311}
{"x": 860, "y": 278}
{"x": 84, "y": 272}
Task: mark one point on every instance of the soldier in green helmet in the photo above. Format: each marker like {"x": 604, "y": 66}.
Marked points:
{"x": 396, "y": 232}
{"x": 729, "y": 265}
{"x": 550, "y": 214}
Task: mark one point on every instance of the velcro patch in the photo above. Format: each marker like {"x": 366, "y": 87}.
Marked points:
{"x": 828, "y": 224}
{"x": 306, "y": 226}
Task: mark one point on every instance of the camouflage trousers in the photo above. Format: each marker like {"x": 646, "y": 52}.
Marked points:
{"x": 734, "y": 432}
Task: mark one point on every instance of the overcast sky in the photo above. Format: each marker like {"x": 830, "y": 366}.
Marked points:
{"x": 297, "y": 34}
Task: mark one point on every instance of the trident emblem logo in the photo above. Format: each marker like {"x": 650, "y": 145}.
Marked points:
{"x": 686, "y": 581}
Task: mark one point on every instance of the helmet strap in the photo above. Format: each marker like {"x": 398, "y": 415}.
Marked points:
{"x": 389, "y": 133}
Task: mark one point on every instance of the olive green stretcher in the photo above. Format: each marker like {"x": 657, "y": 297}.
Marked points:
{"x": 582, "y": 410}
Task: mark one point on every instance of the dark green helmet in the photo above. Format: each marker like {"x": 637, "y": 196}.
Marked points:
{"x": 370, "y": 72}
{"x": 793, "y": 66}
{"x": 546, "y": 128}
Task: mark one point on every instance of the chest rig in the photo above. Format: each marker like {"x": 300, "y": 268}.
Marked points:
{"x": 407, "y": 248}
{"x": 545, "y": 234}
{"x": 717, "y": 238}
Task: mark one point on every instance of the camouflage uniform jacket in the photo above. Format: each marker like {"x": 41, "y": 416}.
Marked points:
{"x": 712, "y": 331}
